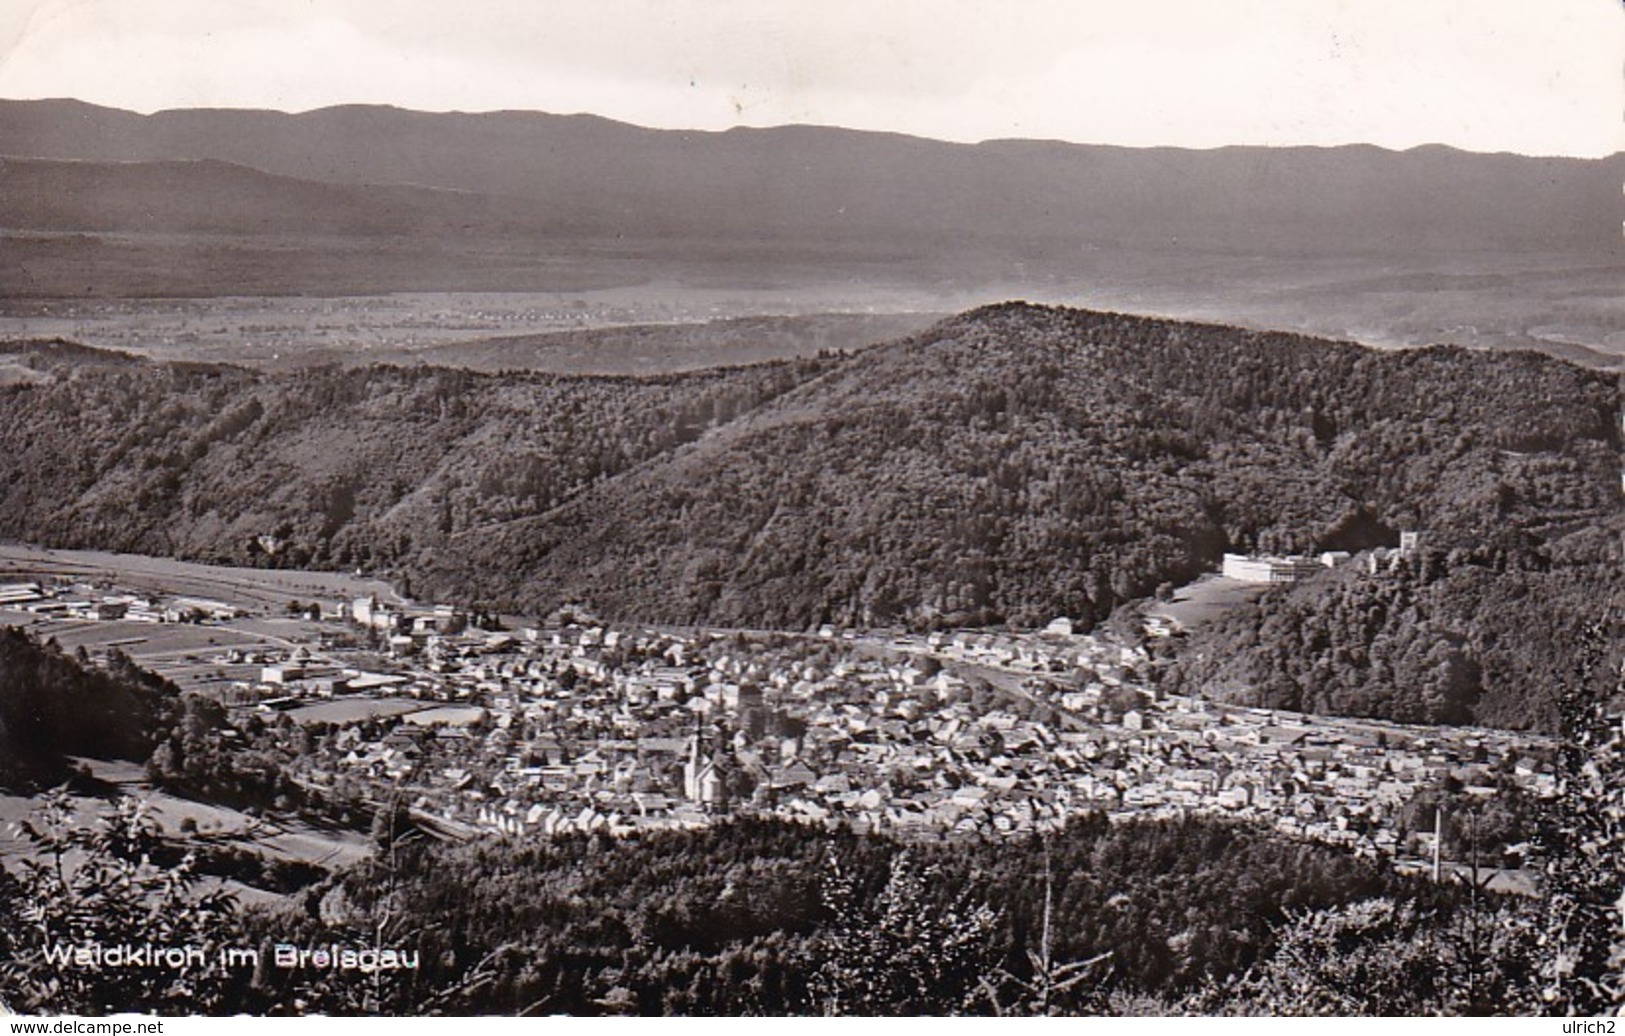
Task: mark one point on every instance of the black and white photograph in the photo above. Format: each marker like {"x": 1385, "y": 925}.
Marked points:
{"x": 668, "y": 508}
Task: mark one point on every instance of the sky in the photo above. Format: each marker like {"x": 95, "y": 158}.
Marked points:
{"x": 1543, "y": 77}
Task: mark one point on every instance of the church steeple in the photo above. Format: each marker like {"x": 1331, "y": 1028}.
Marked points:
{"x": 703, "y": 778}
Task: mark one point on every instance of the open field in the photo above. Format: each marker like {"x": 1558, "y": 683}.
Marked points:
{"x": 262, "y": 590}
{"x": 189, "y": 656}
{"x": 1207, "y": 599}
{"x": 1553, "y": 304}
{"x": 355, "y": 710}
{"x": 144, "y": 641}
{"x": 175, "y": 651}
{"x": 673, "y": 348}
{"x": 189, "y": 676}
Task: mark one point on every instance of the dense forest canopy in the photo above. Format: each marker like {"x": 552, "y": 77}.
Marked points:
{"x": 330, "y": 467}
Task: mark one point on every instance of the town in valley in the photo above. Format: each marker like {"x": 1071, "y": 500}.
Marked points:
{"x": 482, "y": 725}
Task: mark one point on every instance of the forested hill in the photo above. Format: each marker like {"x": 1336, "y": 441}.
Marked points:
{"x": 1008, "y": 465}
{"x": 1017, "y": 463}
{"x": 328, "y": 467}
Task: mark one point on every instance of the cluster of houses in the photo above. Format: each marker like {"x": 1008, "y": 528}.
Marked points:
{"x": 586, "y": 728}
{"x": 406, "y": 629}
{"x": 1329, "y": 780}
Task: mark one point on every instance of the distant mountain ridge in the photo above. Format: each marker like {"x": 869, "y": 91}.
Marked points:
{"x": 214, "y": 197}
{"x": 846, "y": 185}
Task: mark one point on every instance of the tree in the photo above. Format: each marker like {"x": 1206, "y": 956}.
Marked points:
{"x": 1582, "y": 835}
{"x": 899, "y": 953}
{"x": 97, "y": 886}
{"x": 1383, "y": 957}
{"x": 1038, "y": 995}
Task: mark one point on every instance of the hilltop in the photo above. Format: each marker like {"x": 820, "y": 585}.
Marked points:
{"x": 331, "y": 467}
